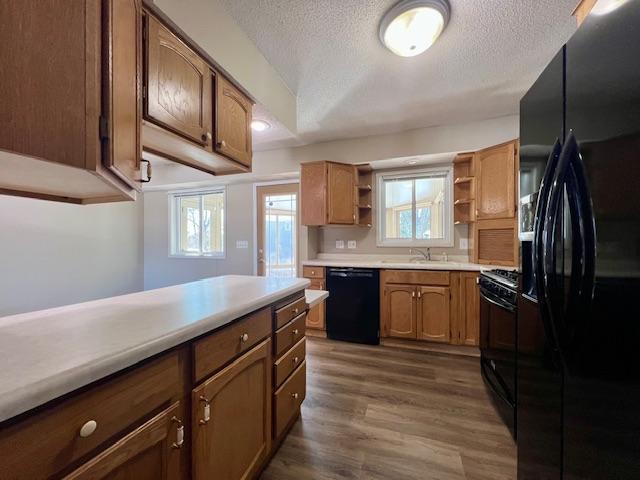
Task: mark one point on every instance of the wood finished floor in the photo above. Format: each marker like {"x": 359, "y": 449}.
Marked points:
{"x": 384, "y": 413}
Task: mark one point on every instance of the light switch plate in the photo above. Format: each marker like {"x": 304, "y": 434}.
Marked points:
{"x": 339, "y": 243}
{"x": 242, "y": 244}
{"x": 351, "y": 244}
{"x": 464, "y": 244}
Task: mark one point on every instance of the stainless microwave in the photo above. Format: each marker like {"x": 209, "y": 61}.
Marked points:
{"x": 527, "y": 216}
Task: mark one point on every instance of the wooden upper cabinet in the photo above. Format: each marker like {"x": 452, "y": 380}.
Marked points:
{"x": 495, "y": 182}
{"x": 434, "y": 314}
{"x": 178, "y": 84}
{"x": 233, "y": 122}
{"x": 341, "y": 204}
{"x": 150, "y": 452}
{"x": 121, "y": 90}
{"x": 469, "y": 305}
{"x": 399, "y": 311}
{"x": 231, "y": 425}
{"x": 327, "y": 192}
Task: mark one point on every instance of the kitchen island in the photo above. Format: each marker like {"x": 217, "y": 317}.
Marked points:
{"x": 107, "y": 385}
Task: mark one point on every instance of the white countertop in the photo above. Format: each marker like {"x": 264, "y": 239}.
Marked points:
{"x": 397, "y": 262}
{"x": 49, "y": 353}
{"x": 314, "y": 297}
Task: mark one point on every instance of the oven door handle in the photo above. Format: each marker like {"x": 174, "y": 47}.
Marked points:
{"x": 489, "y": 298}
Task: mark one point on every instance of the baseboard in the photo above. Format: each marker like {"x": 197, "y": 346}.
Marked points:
{"x": 463, "y": 350}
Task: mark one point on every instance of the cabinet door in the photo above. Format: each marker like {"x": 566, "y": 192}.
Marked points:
{"x": 315, "y": 317}
{"x": 313, "y": 193}
{"x": 399, "y": 311}
{"x": 232, "y": 418}
{"x": 469, "y": 308}
{"x": 178, "y": 83}
{"x": 495, "y": 172}
{"x": 341, "y": 206}
{"x": 150, "y": 452}
{"x": 434, "y": 314}
{"x": 121, "y": 87}
{"x": 233, "y": 122}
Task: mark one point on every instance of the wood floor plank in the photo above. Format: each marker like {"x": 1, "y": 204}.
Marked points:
{"x": 374, "y": 413}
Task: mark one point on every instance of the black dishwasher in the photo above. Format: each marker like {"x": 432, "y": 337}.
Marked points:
{"x": 353, "y": 306}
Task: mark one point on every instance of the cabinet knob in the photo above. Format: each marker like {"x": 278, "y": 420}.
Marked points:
{"x": 313, "y": 272}
{"x": 88, "y": 428}
{"x": 296, "y": 360}
{"x": 295, "y": 332}
{"x": 295, "y": 396}
{"x": 244, "y": 337}
{"x": 295, "y": 310}
{"x": 222, "y": 144}
{"x": 206, "y": 411}
{"x": 179, "y": 433}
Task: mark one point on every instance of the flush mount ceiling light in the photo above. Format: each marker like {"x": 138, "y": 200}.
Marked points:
{"x": 602, "y": 7}
{"x": 411, "y": 26}
{"x": 260, "y": 125}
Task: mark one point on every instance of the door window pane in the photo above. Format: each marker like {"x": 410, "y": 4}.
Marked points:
{"x": 280, "y": 235}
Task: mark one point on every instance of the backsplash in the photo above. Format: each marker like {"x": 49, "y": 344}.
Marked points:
{"x": 365, "y": 239}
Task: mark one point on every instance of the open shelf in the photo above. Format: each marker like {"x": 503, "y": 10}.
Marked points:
{"x": 460, "y": 180}
{"x": 463, "y": 201}
{"x": 364, "y": 195}
{"x": 366, "y": 188}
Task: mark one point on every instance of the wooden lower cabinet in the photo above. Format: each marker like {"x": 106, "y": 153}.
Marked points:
{"x": 231, "y": 423}
{"x": 316, "y": 314}
{"x": 469, "y": 309}
{"x": 150, "y": 452}
{"x": 434, "y": 314}
{"x": 399, "y": 312}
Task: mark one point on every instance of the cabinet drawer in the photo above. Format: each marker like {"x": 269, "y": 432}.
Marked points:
{"x": 416, "y": 277}
{"x": 317, "y": 284}
{"x": 288, "y": 335}
{"x": 312, "y": 272}
{"x": 288, "y": 312}
{"x": 289, "y": 362}
{"x": 44, "y": 444}
{"x": 289, "y": 398}
{"x": 212, "y": 352}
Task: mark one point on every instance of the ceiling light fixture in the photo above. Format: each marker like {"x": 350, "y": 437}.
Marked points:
{"x": 260, "y": 125}
{"x": 411, "y": 26}
{"x": 602, "y": 7}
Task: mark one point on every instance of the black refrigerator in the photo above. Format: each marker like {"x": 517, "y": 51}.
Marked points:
{"x": 578, "y": 369}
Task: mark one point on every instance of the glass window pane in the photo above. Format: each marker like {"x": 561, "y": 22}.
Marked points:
{"x": 189, "y": 212}
{"x": 280, "y": 235}
{"x": 213, "y": 224}
{"x": 430, "y": 193}
{"x": 398, "y": 209}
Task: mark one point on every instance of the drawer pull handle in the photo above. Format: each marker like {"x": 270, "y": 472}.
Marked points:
{"x": 295, "y": 311}
{"x": 295, "y": 332}
{"x": 295, "y": 396}
{"x": 206, "y": 412}
{"x": 244, "y": 337}
{"x": 179, "y": 433}
{"x": 296, "y": 360}
{"x": 88, "y": 428}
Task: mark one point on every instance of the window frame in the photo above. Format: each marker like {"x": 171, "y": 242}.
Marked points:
{"x": 448, "y": 227}
{"x": 174, "y": 223}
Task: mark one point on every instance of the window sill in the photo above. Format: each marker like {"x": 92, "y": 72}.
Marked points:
{"x": 201, "y": 257}
{"x": 444, "y": 243}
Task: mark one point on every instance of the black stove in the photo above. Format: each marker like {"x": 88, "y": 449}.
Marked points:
{"x": 502, "y": 284}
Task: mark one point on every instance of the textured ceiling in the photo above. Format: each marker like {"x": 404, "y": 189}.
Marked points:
{"x": 348, "y": 84}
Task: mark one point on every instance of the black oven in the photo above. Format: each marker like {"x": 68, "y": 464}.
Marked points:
{"x": 498, "y": 300}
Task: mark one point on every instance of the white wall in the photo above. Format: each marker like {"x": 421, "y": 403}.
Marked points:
{"x": 160, "y": 270}
{"x": 54, "y": 254}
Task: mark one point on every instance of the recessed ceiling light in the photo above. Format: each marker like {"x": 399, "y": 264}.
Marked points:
{"x": 260, "y": 125}
{"x": 602, "y": 7}
{"x": 411, "y": 26}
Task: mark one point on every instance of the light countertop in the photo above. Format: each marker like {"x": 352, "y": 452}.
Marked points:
{"x": 398, "y": 262}
{"x": 314, "y": 297}
{"x": 49, "y": 353}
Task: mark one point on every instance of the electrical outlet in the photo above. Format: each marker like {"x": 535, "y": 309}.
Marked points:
{"x": 464, "y": 244}
{"x": 242, "y": 244}
{"x": 351, "y": 244}
{"x": 340, "y": 244}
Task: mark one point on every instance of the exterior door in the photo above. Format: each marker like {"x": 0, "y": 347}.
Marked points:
{"x": 399, "y": 312}
{"x": 233, "y": 122}
{"x": 434, "y": 314}
{"x": 341, "y": 189}
{"x": 151, "y": 452}
{"x": 178, "y": 83}
{"x": 231, "y": 424}
{"x": 122, "y": 146}
{"x": 495, "y": 171}
{"x": 277, "y": 230}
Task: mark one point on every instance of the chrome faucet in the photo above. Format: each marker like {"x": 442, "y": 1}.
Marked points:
{"x": 426, "y": 255}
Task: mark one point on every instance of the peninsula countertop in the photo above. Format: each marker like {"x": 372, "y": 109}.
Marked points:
{"x": 398, "y": 262}
{"x": 49, "y": 353}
